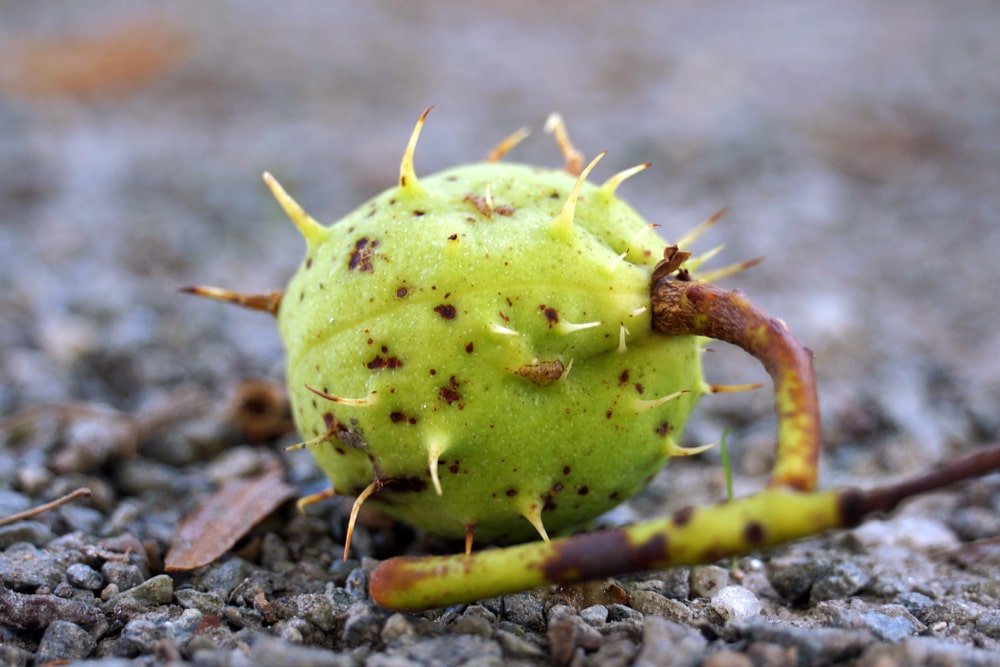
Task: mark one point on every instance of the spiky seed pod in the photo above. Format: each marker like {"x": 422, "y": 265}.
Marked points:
{"x": 458, "y": 355}
{"x": 488, "y": 351}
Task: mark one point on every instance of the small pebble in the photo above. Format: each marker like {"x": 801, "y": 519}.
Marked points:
{"x": 619, "y": 612}
{"x": 210, "y": 604}
{"x": 82, "y": 575}
{"x": 793, "y": 575}
{"x": 64, "y": 641}
{"x": 649, "y": 602}
{"x": 273, "y": 651}
{"x": 844, "y": 579}
{"x": 318, "y": 609}
{"x": 24, "y": 567}
{"x": 32, "y": 532}
{"x": 918, "y": 533}
{"x": 156, "y": 591}
{"x": 476, "y": 620}
{"x": 988, "y": 623}
{"x": 735, "y": 603}
{"x": 12, "y": 502}
{"x": 596, "y": 615}
{"x": 362, "y": 625}
{"x": 122, "y": 575}
{"x": 567, "y": 632}
{"x": 357, "y": 584}
{"x": 516, "y": 647}
{"x": 667, "y": 643}
{"x": 525, "y": 610}
{"x": 707, "y": 580}
{"x": 396, "y": 626}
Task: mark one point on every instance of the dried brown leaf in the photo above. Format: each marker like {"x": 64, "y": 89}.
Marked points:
{"x": 224, "y": 518}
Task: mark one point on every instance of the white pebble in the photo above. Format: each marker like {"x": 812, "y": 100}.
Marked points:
{"x": 735, "y": 603}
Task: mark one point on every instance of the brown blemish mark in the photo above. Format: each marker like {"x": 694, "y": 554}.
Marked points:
{"x": 453, "y": 237}
{"x": 445, "y": 310}
{"x": 402, "y": 292}
{"x": 309, "y": 263}
{"x": 639, "y": 388}
{"x": 450, "y": 394}
{"x": 623, "y": 378}
{"x": 380, "y": 362}
{"x": 754, "y": 533}
{"x": 663, "y": 429}
{"x": 598, "y": 555}
{"x": 566, "y": 470}
{"x": 551, "y": 314}
{"x": 542, "y": 373}
{"x": 418, "y": 213}
{"x": 511, "y": 493}
{"x": 583, "y": 490}
{"x": 469, "y": 347}
{"x": 361, "y": 256}
{"x": 682, "y": 516}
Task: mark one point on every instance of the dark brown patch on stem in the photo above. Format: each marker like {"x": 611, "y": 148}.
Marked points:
{"x": 598, "y": 555}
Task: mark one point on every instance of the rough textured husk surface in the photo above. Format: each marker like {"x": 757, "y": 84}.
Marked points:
{"x": 855, "y": 144}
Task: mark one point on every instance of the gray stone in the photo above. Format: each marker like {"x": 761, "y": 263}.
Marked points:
{"x": 916, "y": 603}
{"x": 476, "y": 620}
{"x": 26, "y": 567}
{"x": 616, "y": 653}
{"x": 357, "y": 584}
{"x": 362, "y": 625}
{"x": 988, "y": 623}
{"x": 891, "y": 622}
{"x": 525, "y": 610}
{"x": 596, "y": 615}
{"x": 224, "y": 577}
{"x": 927, "y": 651}
{"x": 12, "y": 502}
{"x": 667, "y": 644}
{"x": 567, "y": 633}
{"x": 271, "y": 651}
{"x": 64, "y": 641}
{"x": 82, "y": 575}
{"x": 397, "y": 626}
{"x": 81, "y": 517}
{"x": 122, "y": 575}
{"x": 320, "y": 609}
{"x": 14, "y": 656}
{"x": 31, "y": 532}
{"x": 707, "y": 580}
{"x": 207, "y": 603}
{"x": 619, "y": 612}
{"x": 452, "y": 651}
{"x": 649, "y": 602}
{"x": 845, "y": 578}
{"x": 793, "y": 575}
{"x": 518, "y": 647}
{"x": 156, "y": 591}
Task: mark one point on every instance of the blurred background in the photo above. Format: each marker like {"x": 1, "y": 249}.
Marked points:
{"x": 856, "y": 144}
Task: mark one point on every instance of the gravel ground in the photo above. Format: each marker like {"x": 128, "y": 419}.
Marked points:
{"x": 857, "y": 146}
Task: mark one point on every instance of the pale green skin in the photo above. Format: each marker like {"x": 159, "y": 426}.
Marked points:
{"x": 509, "y": 447}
